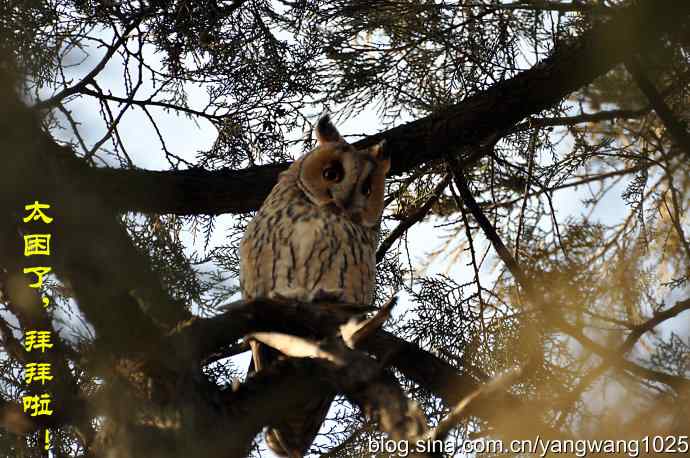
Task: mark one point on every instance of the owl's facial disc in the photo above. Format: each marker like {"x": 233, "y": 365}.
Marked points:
{"x": 339, "y": 177}
{"x": 342, "y": 179}
{"x": 344, "y": 184}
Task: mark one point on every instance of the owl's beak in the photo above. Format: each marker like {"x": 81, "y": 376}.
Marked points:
{"x": 335, "y": 206}
{"x": 340, "y": 204}
{"x": 346, "y": 203}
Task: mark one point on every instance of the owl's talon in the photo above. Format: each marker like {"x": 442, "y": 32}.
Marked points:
{"x": 289, "y": 295}
{"x": 321, "y": 294}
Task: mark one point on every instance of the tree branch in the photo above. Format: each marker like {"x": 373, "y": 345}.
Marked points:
{"x": 92, "y": 251}
{"x": 81, "y": 85}
{"x": 201, "y": 336}
{"x": 605, "y": 115}
{"x": 472, "y": 121}
{"x": 544, "y": 5}
{"x": 539, "y": 301}
{"x": 658, "y": 318}
{"x": 276, "y": 391}
{"x": 676, "y": 130}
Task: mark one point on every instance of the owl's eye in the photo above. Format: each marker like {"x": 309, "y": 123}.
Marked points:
{"x": 333, "y": 172}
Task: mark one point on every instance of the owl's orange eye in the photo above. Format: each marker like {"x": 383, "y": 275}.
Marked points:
{"x": 333, "y": 172}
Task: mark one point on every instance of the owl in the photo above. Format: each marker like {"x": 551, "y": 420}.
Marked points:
{"x": 314, "y": 238}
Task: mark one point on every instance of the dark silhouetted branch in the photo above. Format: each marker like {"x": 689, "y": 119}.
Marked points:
{"x": 202, "y": 336}
{"x": 482, "y": 116}
{"x": 676, "y": 130}
{"x": 81, "y": 85}
{"x": 606, "y": 115}
{"x": 111, "y": 279}
{"x": 544, "y": 5}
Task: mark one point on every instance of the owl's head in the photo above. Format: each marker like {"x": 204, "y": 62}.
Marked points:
{"x": 343, "y": 179}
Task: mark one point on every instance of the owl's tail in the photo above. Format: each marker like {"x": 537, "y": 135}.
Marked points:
{"x": 293, "y": 435}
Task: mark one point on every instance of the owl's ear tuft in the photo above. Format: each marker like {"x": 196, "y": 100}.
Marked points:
{"x": 326, "y": 131}
{"x": 382, "y": 155}
{"x": 380, "y": 152}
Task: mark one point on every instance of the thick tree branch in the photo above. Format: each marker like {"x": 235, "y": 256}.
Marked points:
{"x": 544, "y": 5}
{"x": 479, "y": 117}
{"x": 91, "y": 250}
{"x": 277, "y": 391}
{"x": 201, "y": 336}
{"x": 237, "y": 416}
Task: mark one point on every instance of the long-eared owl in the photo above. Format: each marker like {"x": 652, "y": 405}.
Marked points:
{"x": 315, "y": 238}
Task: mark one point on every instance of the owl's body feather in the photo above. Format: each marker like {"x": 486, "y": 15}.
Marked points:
{"x": 300, "y": 250}
{"x": 315, "y": 238}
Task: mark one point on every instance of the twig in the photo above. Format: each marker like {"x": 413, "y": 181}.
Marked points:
{"x": 416, "y": 216}
{"x": 653, "y": 322}
{"x": 498, "y": 383}
{"x": 528, "y": 182}
{"x": 112, "y": 49}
